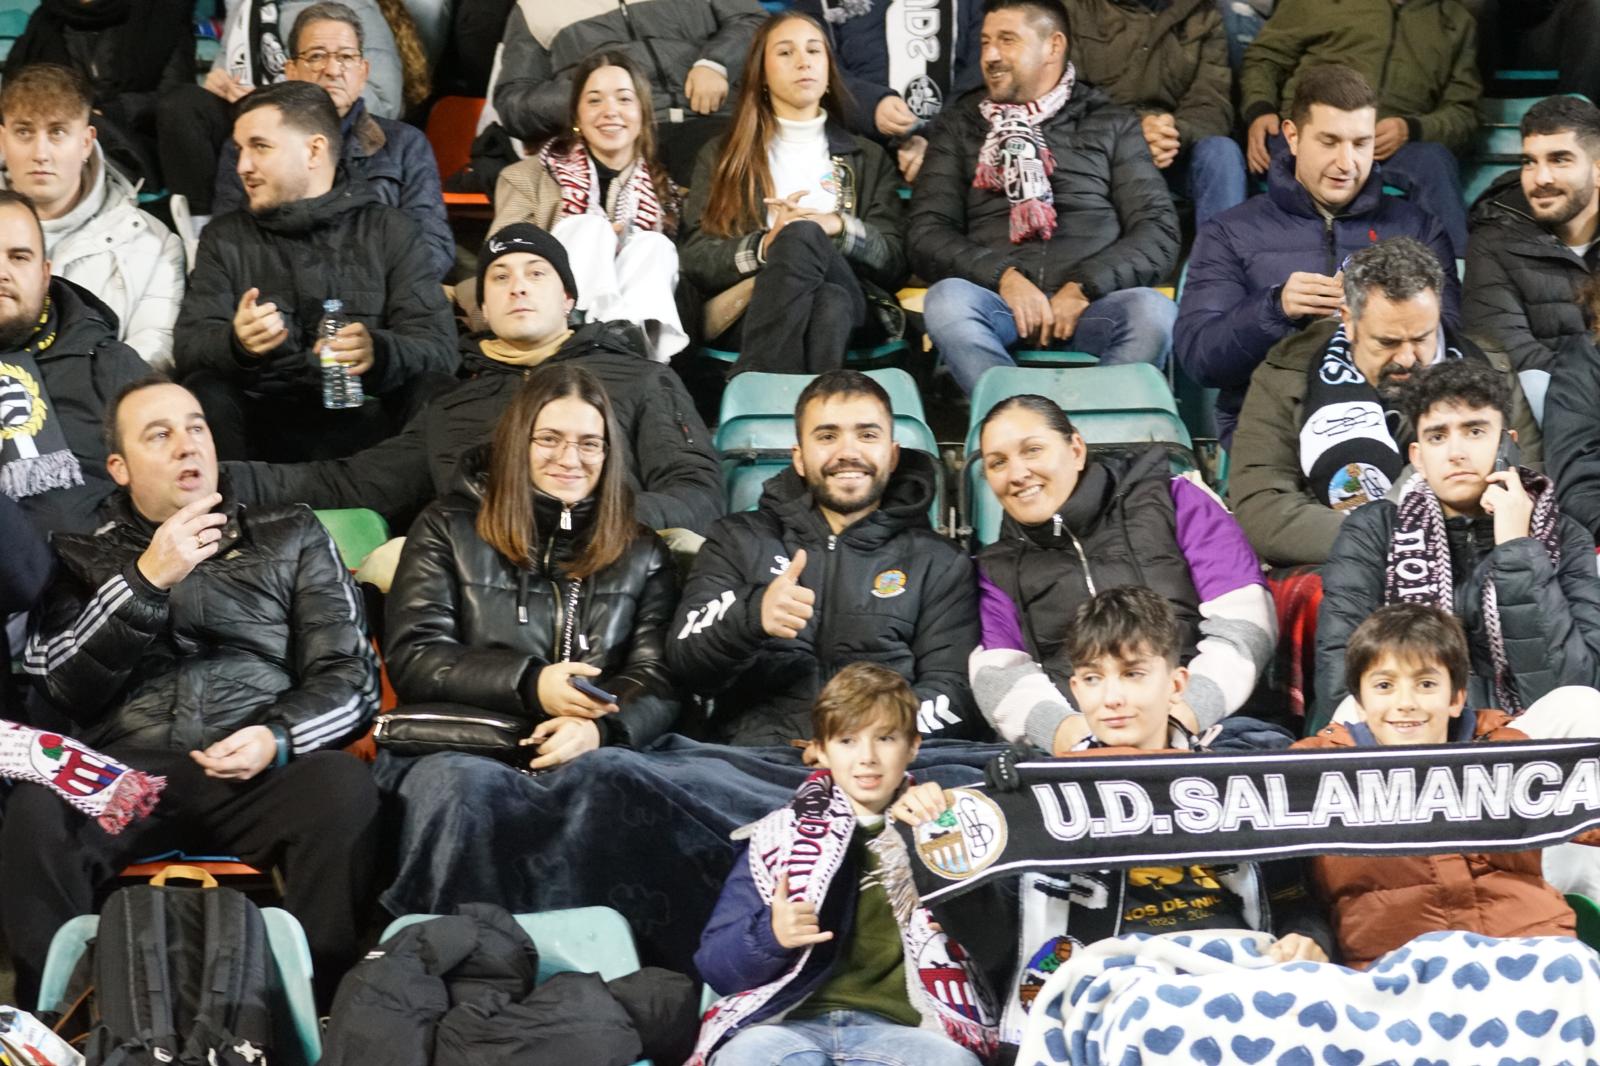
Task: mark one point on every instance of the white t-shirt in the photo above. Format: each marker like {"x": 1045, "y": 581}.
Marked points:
{"x": 1581, "y": 249}
{"x": 799, "y": 161}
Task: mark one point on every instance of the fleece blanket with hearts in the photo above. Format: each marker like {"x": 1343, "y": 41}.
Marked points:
{"x": 1213, "y": 998}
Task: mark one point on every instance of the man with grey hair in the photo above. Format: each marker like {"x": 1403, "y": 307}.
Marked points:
{"x": 1321, "y": 431}
{"x": 326, "y": 46}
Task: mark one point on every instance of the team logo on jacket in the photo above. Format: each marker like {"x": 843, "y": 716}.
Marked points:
{"x": 889, "y": 584}
{"x": 965, "y": 839}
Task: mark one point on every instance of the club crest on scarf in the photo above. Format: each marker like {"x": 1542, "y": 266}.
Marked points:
{"x": 965, "y": 839}
{"x": 1016, "y": 160}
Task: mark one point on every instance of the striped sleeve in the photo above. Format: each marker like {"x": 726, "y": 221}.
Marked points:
{"x": 83, "y": 645}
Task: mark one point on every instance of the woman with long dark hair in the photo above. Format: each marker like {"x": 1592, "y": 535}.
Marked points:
{"x": 603, "y": 192}
{"x": 793, "y": 224}
{"x": 532, "y": 575}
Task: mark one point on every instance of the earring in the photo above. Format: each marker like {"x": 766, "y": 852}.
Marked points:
{"x": 575, "y": 129}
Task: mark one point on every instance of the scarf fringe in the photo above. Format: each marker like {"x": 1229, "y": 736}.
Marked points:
{"x": 20, "y": 478}
{"x": 1030, "y": 218}
{"x": 133, "y": 796}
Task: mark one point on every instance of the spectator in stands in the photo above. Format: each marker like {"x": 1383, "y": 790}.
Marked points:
{"x": 195, "y": 121}
{"x": 1180, "y": 84}
{"x": 94, "y": 232}
{"x": 1407, "y": 669}
{"x": 890, "y": 987}
{"x": 693, "y": 50}
{"x": 902, "y": 68}
{"x": 1323, "y": 429}
{"x": 221, "y": 649}
{"x": 1572, "y": 426}
{"x": 528, "y": 295}
{"x": 604, "y": 193}
{"x": 492, "y": 612}
{"x": 1533, "y": 245}
{"x": 1420, "y": 54}
{"x": 1270, "y": 267}
{"x": 1023, "y": 247}
{"x": 129, "y": 53}
{"x": 328, "y": 49}
{"x": 1075, "y": 525}
{"x": 791, "y": 220}
{"x": 1474, "y": 534}
{"x": 61, "y": 364}
{"x": 247, "y": 341}
{"x": 1242, "y": 19}
{"x": 1541, "y": 35}
{"x": 837, "y": 564}
{"x": 26, "y": 567}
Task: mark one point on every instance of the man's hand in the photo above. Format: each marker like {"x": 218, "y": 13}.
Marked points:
{"x": 1161, "y": 134}
{"x": 1066, "y": 307}
{"x": 219, "y": 83}
{"x": 1296, "y": 948}
{"x": 794, "y": 924}
{"x": 1256, "y": 152}
{"x": 893, "y": 118}
{"x": 921, "y": 803}
{"x": 352, "y": 346}
{"x": 706, "y": 89}
{"x": 1069, "y": 734}
{"x": 559, "y": 698}
{"x": 1311, "y": 295}
{"x": 1510, "y": 504}
{"x": 786, "y": 606}
{"x": 910, "y": 157}
{"x": 240, "y": 755}
{"x": 560, "y": 740}
{"x": 1029, "y": 306}
{"x": 258, "y": 326}
{"x": 183, "y": 542}
{"x": 1389, "y": 137}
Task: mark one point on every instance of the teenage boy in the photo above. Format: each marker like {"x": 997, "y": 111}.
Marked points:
{"x": 803, "y": 938}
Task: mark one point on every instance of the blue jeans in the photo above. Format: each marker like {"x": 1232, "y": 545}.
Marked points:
{"x": 974, "y": 330}
{"x": 841, "y": 1038}
{"x": 1241, "y": 22}
{"x": 1211, "y": 174}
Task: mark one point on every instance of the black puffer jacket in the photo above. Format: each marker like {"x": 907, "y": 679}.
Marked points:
{"x": 1523, "y": 286}
{"x": 1115, "y": 224}
{"x": 25, "y": 569}
{"x": 1572, "y": 434}
{"x": 672, "y": 467}
{"x": 1549, "y": 613}
{"x": 889, "y": 591}
{"x": 268, "y": 631}
{"x": 466, "y": 625}
{"x": 1121, "y": 516}
{"x": 343, "y": 245}
{"x": 83, "y": 370}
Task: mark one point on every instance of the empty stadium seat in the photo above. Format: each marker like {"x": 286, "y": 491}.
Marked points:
{"x": 356, "y": 531}
{"x": 878, "y": 353}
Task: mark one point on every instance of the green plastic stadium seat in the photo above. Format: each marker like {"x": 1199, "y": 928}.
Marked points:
{"x": 356, "y": 530}
{"x": 878, "y": 353}
{"x": 1045, "y": 358}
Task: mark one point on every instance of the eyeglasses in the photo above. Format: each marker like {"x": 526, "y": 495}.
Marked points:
{"x": 590, "y": 449}
{"x": 318, "y": 59}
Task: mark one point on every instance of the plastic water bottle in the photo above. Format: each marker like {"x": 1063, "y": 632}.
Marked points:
{"x": 340, "y": 388}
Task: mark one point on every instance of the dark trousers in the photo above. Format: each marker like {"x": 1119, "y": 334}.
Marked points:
{"x": 680, "y": 143}
{"x": 806, "y": 304}
{"x": 316, "y": 817}
{"x": 297, "y": 428}
{"x": 192, "y": 124}
{"x": 1540, "y": 35}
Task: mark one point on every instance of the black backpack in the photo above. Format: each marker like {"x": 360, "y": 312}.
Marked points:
{"x": 176, "y": 975}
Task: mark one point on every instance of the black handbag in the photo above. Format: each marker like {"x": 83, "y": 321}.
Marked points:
{"x": 426, "y": 728}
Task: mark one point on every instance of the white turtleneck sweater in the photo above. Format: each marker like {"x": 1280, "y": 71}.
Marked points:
{"x": 799, "y": 161}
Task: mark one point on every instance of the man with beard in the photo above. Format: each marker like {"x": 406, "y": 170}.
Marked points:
{"x": 836, "y": 565}
{"x": 247, "y": 337}
{"x": 1321, "y": 432}
{"x": 1533, "y": 245}
{"x": 60, "y": 364}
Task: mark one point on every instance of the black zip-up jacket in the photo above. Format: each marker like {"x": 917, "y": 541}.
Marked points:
{"x": 25, "y": 569}
{"x": 466, "y": 625}
{"x": 889, "y": 590}
{"x": 1115, "y": 224}
{"x": 268, "y": 631}
{"x": 1523, "y": 293}
{"x": 1572, "y": 433}
{"x": 672, "y": 468}
{"x": 343, "y": 245}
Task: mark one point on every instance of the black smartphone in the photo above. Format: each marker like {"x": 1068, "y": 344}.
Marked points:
{"x": 1507, "y": 455}
{"x": 589, "y": 688}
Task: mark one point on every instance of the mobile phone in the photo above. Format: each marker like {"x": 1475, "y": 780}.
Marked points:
{"x": 1507, "y": 455}
{"x": 589, "y": 688}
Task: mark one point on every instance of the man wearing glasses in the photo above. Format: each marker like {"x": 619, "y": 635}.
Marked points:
{"x": 394, "y": 157}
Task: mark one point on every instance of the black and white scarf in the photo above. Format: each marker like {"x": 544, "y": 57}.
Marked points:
{"x": 919, "y": 42}
{"x": 1015, "y": 159}
{"x": 34, "y": 457}
{"x": 255, "y": 45}
{"x": 1418, "y": 567}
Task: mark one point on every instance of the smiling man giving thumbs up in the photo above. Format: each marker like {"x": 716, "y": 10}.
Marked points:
{"x": 837, "y": 564}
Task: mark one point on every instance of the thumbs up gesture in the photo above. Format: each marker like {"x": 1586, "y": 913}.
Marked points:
{"x": 794, "y": 923}
{"x": 786, "y": 607}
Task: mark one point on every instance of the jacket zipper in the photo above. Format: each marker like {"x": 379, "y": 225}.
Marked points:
{"x": 827, "y": 592}
{"x": 1332, "y": 241}
{"x": 1088, "y": 578}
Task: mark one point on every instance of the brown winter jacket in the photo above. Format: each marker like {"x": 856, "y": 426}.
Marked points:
{"x": 1378, "y": 904}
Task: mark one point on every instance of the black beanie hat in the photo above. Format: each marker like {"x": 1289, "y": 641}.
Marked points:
{"x": 525, "y": 237}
